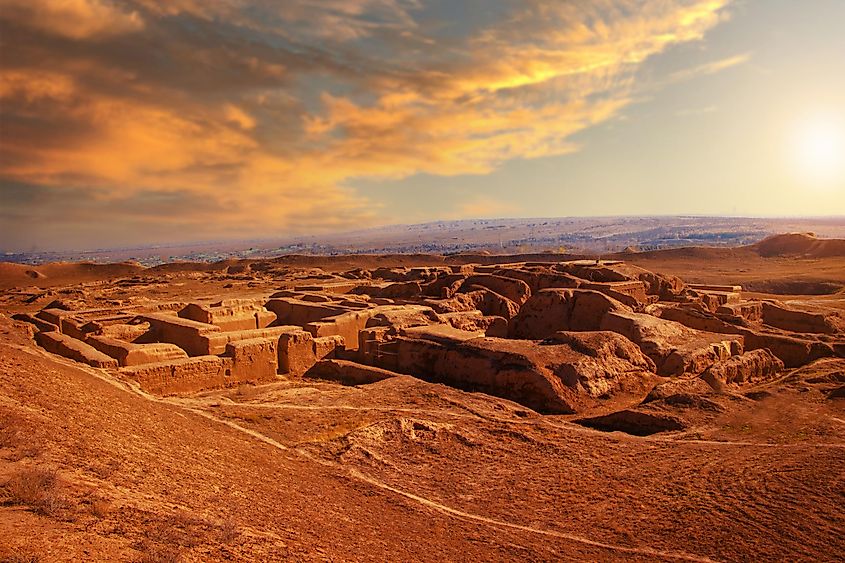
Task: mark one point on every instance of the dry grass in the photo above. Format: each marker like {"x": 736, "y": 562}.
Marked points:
{"x": 37, "y": 488}
{"x": 100, "y": 508}
{"x": 104, "y": 469}
{"x": 177, "y": 530}
{"x": 167, "y": 537}
{"x": 11, "y": 429}
{"x": 19, "y": 558}
{"x": 228, "y": 531}
{"x": 151, "y": 553}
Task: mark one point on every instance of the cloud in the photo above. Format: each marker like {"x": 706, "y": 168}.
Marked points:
{"x": 711, "y": 67}
{"x": 269, "y": 114}
{"x": 73, "y": 19}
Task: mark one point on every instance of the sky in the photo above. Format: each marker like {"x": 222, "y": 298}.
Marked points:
{"x": 137, "y": 122}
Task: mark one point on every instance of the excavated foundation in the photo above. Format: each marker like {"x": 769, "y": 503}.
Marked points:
{"x": 559, "y": 338}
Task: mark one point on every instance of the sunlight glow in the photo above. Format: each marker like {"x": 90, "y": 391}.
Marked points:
{"x": 819, "y": 146}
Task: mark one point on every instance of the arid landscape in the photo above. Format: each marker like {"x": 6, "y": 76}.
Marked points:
{"x": 685, "y": 404}
{"x": 571, "y": 235}
{"x": 400, "y": 281}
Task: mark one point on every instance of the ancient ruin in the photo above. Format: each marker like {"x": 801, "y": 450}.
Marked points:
{"x": 558, "y": 338}
{"x": 427, "y": 407}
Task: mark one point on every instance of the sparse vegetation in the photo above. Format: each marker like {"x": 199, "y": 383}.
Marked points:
{"x": 104, "y": 469}
{"x": 100, "y": 507}
{"x": 152, "y": 553}
{"x": 19, "y": 558}
{"x": 37, "y": 488}
{"x": 166, "y": 535}
{"x": 228, "y": 530}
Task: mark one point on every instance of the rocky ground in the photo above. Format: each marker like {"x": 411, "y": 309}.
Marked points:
{"x": 94, "y": 468}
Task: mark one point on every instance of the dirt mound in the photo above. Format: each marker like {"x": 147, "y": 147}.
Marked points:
{"x": 675, "y": 348}
{"x": 789, "y": 286}
{"x": 799, "y": 244}
{"x": 18, "y": 274}
{"x": 71, "y": 270}
{"x": 826, "y": 375}
{"x": 675, "y": 387}
{"x": 566, "y": 374}
{"x": 688, "y": 253}
{"x": 60, "y": 273}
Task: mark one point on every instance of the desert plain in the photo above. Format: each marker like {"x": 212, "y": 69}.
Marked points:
{"x": 674, "y": 405}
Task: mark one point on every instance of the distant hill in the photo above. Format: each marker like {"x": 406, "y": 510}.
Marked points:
{"x": 594, "y": 235}
{"x": 693, "y": 257}
{"x": 63, "y": 273}
{"x": 799, "y": 244}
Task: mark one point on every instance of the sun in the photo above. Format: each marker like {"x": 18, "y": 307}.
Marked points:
{"x": 819, "y": 149}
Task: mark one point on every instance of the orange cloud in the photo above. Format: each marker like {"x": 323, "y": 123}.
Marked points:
{"x": 124, "y": 142}
{"x": 270, "y": 117}
{"x": 239, "y": 117}
{"x": 556, "y": 85}
{"x": 73, "y": 19}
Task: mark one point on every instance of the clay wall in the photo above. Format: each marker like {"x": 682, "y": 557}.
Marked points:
{"x": 130, "y": 354}
{"x": 514, "y": 289}
{"x": 216, "y": 343}
{"x": 297, "y": 353}
{"x": 290, "y": 311}
{"x": 74, "y": 349}
{"x": 191, "y": 336}
{"x": 254, "y": 360}
{"x": 182, "y": 376}
{"x": 541, "y": 280}
{"x": 230, "y": 315}
{"x": 796, "y": 321}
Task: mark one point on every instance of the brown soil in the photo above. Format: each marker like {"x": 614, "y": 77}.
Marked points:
{"x": 785, "y": 264}
{"x": 92, "y": 468}
{"x": 778, "y": 275}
